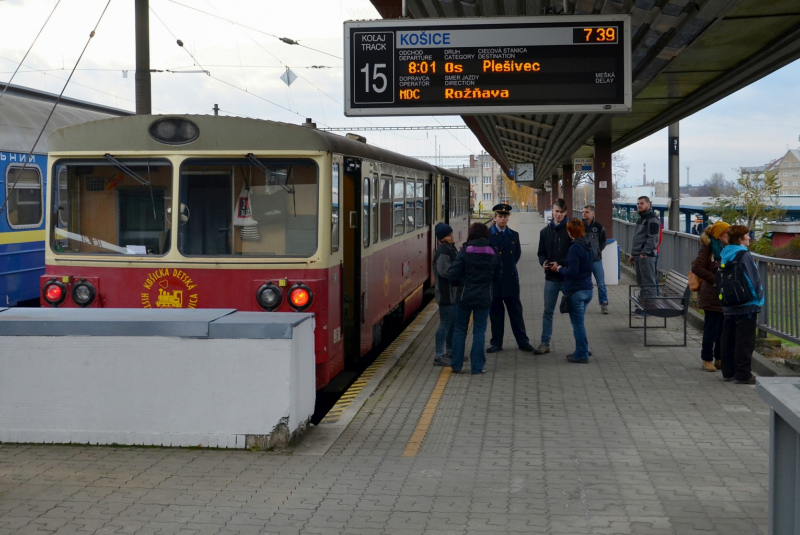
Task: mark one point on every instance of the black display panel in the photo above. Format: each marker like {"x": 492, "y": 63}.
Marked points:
{"x": 489, "y": 65}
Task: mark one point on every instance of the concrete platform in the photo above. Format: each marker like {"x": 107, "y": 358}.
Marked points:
{"x": 639, "y": 441}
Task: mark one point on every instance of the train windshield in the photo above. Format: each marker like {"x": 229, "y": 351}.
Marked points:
{"x": 110, "y": 206}
{"x": 249, "y": 207}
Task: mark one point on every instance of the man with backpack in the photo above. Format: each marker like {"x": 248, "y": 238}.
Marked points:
{"x": 644, "y": 250}
{"x": 596, "y": 235}
{"x": 741, "y": 295}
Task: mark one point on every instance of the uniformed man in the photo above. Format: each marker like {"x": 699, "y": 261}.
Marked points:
{"x": 506, "y": 291}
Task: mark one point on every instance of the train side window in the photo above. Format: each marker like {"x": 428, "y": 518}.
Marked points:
{"x": 420, "y": 204}
{"x": 399, "y": 205}
{"x": 24, "y": 194}
{"x": 366, "y": 223}
{"x": 386, "y": 207}
{"x": 376, "y": 193}
{"x": 410, "y": 188}
{"x": 335, "y": 207}
{"x": 443, "y": 199}
{"x": 428, "y": 206}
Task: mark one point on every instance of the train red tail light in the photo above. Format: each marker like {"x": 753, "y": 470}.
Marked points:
{"x": 84, "y": 293}
{"x": 300, "y": 297}
{"x": 269, "y": 297}
{"x": 54, "y": 292}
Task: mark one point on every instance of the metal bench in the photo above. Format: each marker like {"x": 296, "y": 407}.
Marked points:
{"x": 669, "y": 299}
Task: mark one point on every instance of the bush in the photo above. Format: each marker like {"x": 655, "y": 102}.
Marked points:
{"x": 763, "y": 246}
{"x": 790, "y": 251}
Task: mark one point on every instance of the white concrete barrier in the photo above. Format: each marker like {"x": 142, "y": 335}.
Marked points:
{"x": 248, "y": 382}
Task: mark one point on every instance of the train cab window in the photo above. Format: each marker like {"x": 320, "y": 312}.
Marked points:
{"x": 111, "y": 207}
{"x": 24, "y": 194}
{"x": 419, "y": 213}
{"x": 399, "y": 205}
{"x": 386, "y": 207}
{"x": 410, "y": 200}
{"x": 262, "y": 208}
{"x": 365, "y": 225}
{"x": 376, "y": 195}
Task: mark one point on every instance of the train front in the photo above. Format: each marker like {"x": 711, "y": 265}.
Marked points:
{"x": 198, "y": 212}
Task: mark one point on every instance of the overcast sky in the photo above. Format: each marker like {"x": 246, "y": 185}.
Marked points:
{"x": 751, "y": 127}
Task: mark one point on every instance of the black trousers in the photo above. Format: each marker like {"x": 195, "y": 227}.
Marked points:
{"x": 738, "y": 343}
{"x": 712, "y": 336}
{"x": 498, "y": 321}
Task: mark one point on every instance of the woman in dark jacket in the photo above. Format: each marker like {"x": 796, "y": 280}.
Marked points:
{"x": 474, "y": 270}
{"x": 705, "y": 266}
{"x": 577, "y": 272}
{"x": 445, "y": 294}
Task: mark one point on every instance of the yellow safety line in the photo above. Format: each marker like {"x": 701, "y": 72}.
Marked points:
{"x": 426, "y": 418}
{"x": 424, "y": 423}
{"x": 336, "y": 411}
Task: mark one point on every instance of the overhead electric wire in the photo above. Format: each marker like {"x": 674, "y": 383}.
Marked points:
{"x": 454, "y": 137}
{"x": 28, "y": 158}
{"x": 284, "y": 39}
{"x": 29, "y": 49}
{"x": 180, "y": 43}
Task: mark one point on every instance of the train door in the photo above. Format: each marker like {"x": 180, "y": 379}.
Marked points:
{"x": 446, "y": 199}
{"x": 206, "y": 208}
{"x": 351, "y": 259}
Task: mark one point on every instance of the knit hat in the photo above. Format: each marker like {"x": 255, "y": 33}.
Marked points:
{"x": 717, "y": 229}
{"x": 443, "y": 230}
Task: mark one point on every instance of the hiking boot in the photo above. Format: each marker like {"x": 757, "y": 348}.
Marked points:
{"x": 494, "y": 349}
{"x": 709, "y": 366}
{"x": 604, "y": 309}
{"x": 444, "y": 360}
{"x": 572, "y": 355}
{"x": 718, "y": 364}
{"x": 541, "y": 349}
{"x": 750, "y": 381}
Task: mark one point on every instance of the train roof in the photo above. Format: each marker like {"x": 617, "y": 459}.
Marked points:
{"x": 450, "y": 173}
{"x": 219, "y": 133}
{"x": 23, "y": 111}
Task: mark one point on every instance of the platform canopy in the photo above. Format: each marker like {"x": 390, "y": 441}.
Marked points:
{"x": 686, "y": 54}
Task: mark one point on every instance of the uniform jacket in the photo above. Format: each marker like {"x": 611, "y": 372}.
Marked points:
{"x": 553, "y": 247}
{"x": 646, "y": 235}
{"x": 506, "y": 245}
{"x": 442, "y": 260}
{"x": 753, "y": 281}
{"x": 596, "y": 236}
{"x": 705, "y": 267}
{"x": 474, "y": 271}
{"x": 577, "y": 267}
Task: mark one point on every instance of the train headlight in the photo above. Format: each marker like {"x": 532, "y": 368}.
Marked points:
{"x": 174, "y": 131}
{"x": 84, "y": 293}
{"x": 54, "y": 292}
{"x": 269, "y": 297}
{"x": 300, "y": 297}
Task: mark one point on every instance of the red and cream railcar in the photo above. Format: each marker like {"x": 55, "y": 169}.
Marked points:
{"x": 221, "y": 212}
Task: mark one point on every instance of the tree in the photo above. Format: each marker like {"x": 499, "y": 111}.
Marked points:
{"x": 715, "y": 186}
{"x": 518, "y": 195}
{"x": 754, "y": 200}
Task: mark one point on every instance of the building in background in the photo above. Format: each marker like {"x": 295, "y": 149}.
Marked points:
{"x": 789, "y": 172}
{"x": 486, "y": 181}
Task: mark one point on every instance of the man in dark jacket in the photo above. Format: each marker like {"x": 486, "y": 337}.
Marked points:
{"x": 644, "y": 250}
{"x": 474, "y": 271}
{"x": 445, "y": 294}
{"x": 506, "y": 290}
{"x": 553, "y": 247}
{"x": 596, "y": 236}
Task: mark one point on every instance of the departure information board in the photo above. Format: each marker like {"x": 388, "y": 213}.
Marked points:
{"x": 557, "y": 64}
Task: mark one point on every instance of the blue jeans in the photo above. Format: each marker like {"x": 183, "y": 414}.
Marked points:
{"x": 444, "y": 334}
{"x": 600, "y": 278}
{"x": 480, "y": 317}
{"x": 580, "y": 300}
{"x": 551, "y": 291}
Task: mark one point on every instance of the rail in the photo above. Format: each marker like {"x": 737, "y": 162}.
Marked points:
{"x": 780, "y": 315}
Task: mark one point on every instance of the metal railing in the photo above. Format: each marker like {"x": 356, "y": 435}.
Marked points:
{"x": 780, "y": 278}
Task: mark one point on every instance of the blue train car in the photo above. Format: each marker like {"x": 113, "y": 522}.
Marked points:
{"x": 23, "y": 182}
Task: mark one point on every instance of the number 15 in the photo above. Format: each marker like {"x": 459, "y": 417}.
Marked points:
{"x": 375, "y": 76}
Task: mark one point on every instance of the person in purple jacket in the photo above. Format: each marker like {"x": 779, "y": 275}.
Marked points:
{"x": 577, "y": 272}
{"x": 474, "y": 272}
